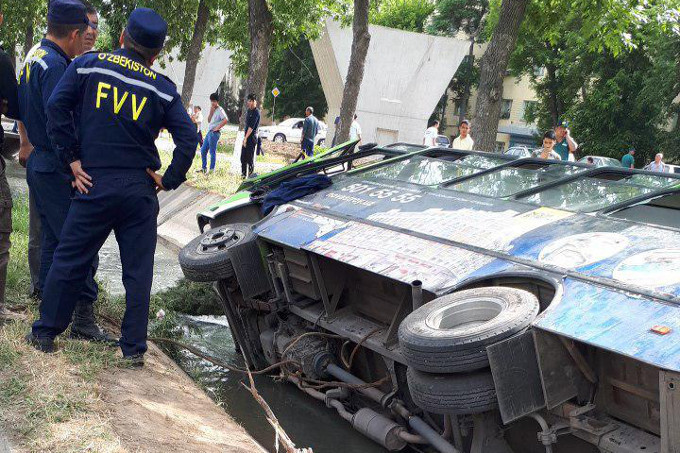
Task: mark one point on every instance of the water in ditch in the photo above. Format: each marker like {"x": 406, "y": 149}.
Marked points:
{"x": 307, "y": 421}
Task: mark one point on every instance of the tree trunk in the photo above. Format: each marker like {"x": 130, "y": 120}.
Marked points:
{"x": 493, "y": 67}
{"x": 194, "y": 51}
{"x": 442, "y": 115}
{"x": 552, "y": 93}
{"x": 261, "y": 30}
{"x": 28, "y": 41}
{"x": 355, "y": 72}
{"x": 466, "y": 93}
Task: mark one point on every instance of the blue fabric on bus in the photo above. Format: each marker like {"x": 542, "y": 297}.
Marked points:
{"x": 292, "y": 190}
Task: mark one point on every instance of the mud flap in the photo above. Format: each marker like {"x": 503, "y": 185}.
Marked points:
{"x": 249, "y": 269}
{"x": 516, "y": 376}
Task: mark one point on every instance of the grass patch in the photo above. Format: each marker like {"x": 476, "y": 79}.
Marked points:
{"x": 51, "y": 402}
{"x": 47, "y": 402}
{"x": 223, "y": 181}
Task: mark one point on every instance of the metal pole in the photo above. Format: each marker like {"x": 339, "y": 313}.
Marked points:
{"x": 273, "y": 109}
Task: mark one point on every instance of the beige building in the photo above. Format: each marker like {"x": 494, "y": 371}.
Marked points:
{"x": 513, "y": 130}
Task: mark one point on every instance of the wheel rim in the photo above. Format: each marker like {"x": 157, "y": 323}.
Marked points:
{"x": 218, "y": 240}
{"x": 278, "y": 139}
{"x": 466, "y": 315}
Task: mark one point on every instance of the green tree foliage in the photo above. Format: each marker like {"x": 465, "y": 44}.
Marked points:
{"x": 408, "y": 15}
{"x": 468, "y": 19}
{"x": 293, "y": 20}
{"x": 180, "y": 15}
{"x": 23, "y": 19}
{"x": 611, "y": 67}
{"x": 455, "y": 16}
{"x": 628, "y": 102}
{"x": 293, "y": 71}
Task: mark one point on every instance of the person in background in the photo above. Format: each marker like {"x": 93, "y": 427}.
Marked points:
{"x": 431, "y": 133}
{"x": 463, "y": 141}
{"x": 547, "y": 152}
{"x": 628, "y": 159}
{"x": 197, "y": 118}
{"x": 658, "y": 165}
{"x": 565, "y": 145}
{"x": 310, "y": 128}
{"x": 590, "y": 160}
{"x": 216, "y": 121}
{"x": 336, "y": 122}
{"x": 355, "y": 130}
{"x": 250, "y": 138}
{"x": 92, "y": 31}
{"x": 9, "y": 106}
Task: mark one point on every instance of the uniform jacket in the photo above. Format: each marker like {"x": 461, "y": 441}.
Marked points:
{"x": 37, "y": 79}
{"x": 120, "y": 105}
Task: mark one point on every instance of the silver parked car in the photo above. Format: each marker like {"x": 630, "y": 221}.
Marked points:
{"x": 601, "y": 161}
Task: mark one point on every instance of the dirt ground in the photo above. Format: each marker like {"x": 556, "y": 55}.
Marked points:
{"x": 159, "y": 408}
{"x": 83, "y": 398}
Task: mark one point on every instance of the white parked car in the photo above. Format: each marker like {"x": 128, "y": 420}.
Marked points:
{"x": 673, "y": 168}
{"x": 519, "y": 151}
{"x": 602, "y": 161}
{"x": 290, "y": 130}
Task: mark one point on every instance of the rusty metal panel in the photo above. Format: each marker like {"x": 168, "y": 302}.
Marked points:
{"x": 559, "y": 374}
{"x": 516, "y": 376}
{"x": 629, "y": 390}
{"x": 669, "y": 387}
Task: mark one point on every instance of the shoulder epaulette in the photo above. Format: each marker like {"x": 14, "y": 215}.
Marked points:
{"x": 168, "y": 79}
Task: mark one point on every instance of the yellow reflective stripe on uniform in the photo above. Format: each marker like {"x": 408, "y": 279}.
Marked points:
{"x": 100, "y": 92}
{"x": 118, "y": 105}
{"x": 118, "y": 102}
{"x": 136, "y": 111}
{"x": 127, "y": 80}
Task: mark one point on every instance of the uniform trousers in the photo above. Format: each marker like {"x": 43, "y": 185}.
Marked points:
{"x": 52, "y": 192}
{"x": 34, "y": 240}
{"x": 122, "y": 201}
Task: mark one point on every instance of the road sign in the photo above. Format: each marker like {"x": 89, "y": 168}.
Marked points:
{"x": 276, "y": 92}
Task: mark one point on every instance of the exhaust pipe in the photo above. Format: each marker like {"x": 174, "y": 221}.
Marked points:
{"x": 416, "y": 423}
{"x": 379, "y": 428}
{"x": 417, "y": 294}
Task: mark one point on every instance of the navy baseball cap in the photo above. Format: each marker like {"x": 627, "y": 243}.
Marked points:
{"x": 67, "y": 12}
{"x": 563, "y": 123}
{"x": 147, "y": 28}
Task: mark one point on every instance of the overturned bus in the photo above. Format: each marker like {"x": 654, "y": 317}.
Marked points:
{"x": 457, "y": 302}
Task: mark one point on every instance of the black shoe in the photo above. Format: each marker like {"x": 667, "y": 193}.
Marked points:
{"x": 84, "y": 326}
{"x": 44, "y": 344}
{"x": 134, "y": 361}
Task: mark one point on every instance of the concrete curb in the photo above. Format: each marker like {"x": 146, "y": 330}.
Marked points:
{"x": 177, "y": 217}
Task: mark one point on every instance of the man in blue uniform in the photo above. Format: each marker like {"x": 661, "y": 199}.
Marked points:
{"x": 121, "y": 105}
{"x": 48, "y": 177}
